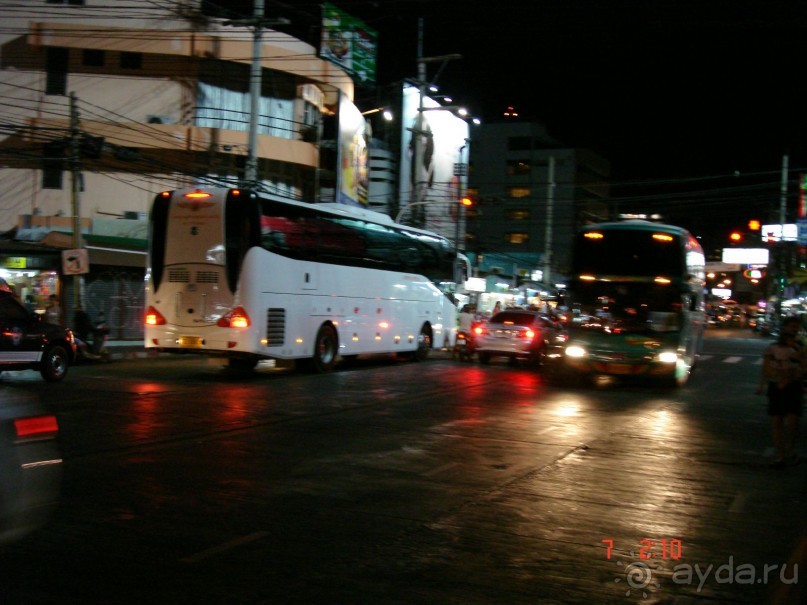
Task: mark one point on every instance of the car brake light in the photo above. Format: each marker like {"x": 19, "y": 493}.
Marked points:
{"x": 154, "y": 317}
{"x": 529, "y": 334}
{"x": 236, "y": 318}
{"x": 35, "y": 427}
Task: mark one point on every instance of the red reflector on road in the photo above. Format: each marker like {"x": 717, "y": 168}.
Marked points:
{"x": 35, "y": 427}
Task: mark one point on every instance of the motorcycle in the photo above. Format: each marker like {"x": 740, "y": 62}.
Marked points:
{"x": 95, "y": 349}
{"x": 463, "y": 347}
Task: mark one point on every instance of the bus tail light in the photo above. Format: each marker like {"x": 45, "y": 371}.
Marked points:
{"x": 154, "y": 317}
{"x": 236, "y": 318}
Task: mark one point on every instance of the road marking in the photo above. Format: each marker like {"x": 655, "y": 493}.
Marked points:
{"x": 732, "y": 359}
{"x": 204, "y": 554}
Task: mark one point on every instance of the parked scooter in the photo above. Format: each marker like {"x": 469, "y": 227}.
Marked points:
{"x": 94, "y": 348}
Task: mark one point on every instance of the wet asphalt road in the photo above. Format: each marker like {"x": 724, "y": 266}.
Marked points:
{"x": 390, "y": 482}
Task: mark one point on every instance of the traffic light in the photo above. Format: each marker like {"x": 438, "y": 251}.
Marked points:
{"x": 466, "y": 201}
{"x": 754, "y": 225}
{"x": 735, "y": 237}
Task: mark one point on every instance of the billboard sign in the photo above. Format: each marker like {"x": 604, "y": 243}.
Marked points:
{"x": 353, "y": 152}
{"x": 348, "y": 43}
{"x": 780, "y": 233}
{"x": 443, "y": 144}
{"x": 746, "y": 256}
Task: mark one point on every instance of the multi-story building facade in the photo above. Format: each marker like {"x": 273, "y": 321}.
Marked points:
{"x": 105, "y": 104}
{"x": 530, "y": 194}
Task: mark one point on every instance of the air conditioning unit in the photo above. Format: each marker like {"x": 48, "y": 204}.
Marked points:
{"x": 159, "y": 119}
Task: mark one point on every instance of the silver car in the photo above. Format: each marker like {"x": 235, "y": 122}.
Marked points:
{"x": 519, "y": 334}
{"x": 30, "y": 469}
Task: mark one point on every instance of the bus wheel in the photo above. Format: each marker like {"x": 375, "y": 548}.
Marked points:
{"x": 326, "y": 348}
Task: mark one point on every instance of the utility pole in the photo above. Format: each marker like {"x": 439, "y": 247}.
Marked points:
{"x": 418, "y": 131}
{"x": 550, "y": 198}
{"x": 257, "y": 22}
{"x": 255, "y": 82}
{"x": 782, "y": 245}
{"x": 75, "y": 189}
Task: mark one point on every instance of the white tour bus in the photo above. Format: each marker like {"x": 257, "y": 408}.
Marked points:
{"x": 234, "y": 274}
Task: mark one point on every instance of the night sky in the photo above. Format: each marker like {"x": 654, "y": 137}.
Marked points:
{"x": 694, "y": 103}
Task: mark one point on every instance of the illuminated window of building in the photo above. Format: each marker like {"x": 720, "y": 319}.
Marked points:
{"x": 519, "y": 214}
{"x": 517, "y": 192}
{"x": 517, "y": 238}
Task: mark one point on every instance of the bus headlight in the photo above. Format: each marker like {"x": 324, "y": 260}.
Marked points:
{"x": 668, "y": 357}
{"x": 575, "y": 351}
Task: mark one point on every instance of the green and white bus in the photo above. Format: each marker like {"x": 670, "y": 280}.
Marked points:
{"x": 636, "y": 301}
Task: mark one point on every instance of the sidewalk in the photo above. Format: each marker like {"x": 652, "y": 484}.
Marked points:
{"x": 128, "y": 349}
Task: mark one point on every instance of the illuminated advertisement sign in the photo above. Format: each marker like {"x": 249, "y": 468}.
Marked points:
{"x": 442, "y": 147}
{"x": 348, "y": 43}
{"x": 354, "y": 141}
{"x": 779, "y": 233}
{"x": 746, "y": 256}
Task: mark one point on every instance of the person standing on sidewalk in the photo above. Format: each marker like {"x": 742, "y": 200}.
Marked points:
{"x": 784, "y": 367}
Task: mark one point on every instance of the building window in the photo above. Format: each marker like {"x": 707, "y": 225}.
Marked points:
{"x": 518, "y": 167}
{"x": 518, "y": 192}
{"x": 56, "y": 68}
{"x": 519, "y": 214}
{"x": 517, "y": 238}
{"x": 92, "y": 57}
{"x": 131, "y": 60}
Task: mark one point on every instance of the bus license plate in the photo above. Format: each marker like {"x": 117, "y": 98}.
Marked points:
{"x": 190, "y": 341}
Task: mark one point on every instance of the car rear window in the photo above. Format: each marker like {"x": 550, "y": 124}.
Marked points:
{"x": 517, "y": 319}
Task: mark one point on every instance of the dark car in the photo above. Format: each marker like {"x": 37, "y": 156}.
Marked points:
{"x": 28, "y": 342}
{"x": 30, "y": 469}
{"x": 519, "y": 334}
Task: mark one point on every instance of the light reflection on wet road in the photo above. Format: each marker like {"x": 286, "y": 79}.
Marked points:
{"x": 438, "y": 482}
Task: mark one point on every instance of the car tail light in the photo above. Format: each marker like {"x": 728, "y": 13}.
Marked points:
{"x": 154, "y": 317}
{"x": 530, "y": 334}
{"x": 236, "y": 318}
{"x": 34, "y": 428}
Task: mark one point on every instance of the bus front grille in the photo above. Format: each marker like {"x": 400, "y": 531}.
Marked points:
{"x": 275, "y": 327}
{"x": 207, "y": 277}
{"x": 179, "y": 275}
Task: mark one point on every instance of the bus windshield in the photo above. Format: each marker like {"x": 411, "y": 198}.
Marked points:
{"x": 633, "y": 253}
{"x": 628, "y": 306}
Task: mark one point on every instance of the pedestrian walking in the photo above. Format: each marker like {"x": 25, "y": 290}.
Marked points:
{"x": 783, "y": 371}
{"x": 53, "y": 312}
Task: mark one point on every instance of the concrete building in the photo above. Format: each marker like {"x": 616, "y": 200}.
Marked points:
{"x": 531, "y": 193}
{"x": 105, "y": 104}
